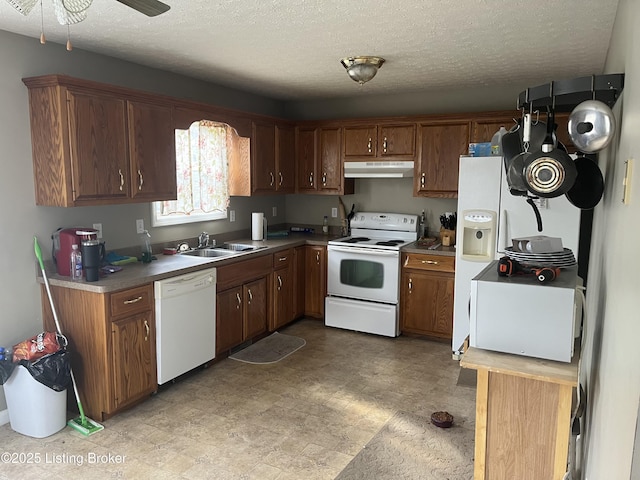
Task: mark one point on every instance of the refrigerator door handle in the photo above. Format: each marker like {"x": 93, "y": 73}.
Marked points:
{"x": 503, "y": 232}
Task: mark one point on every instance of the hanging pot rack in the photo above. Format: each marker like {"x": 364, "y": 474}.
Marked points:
{"x": 565, "y": 95}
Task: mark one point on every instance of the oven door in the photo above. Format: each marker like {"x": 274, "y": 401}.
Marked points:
{"x": 363, "y": 273}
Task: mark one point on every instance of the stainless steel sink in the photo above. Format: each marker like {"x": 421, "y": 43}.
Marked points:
{"x": 239, "y": 247}
{"x": 209, "y": 252}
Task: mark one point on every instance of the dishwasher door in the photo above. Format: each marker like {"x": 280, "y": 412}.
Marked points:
{"x": 185, "y": 323}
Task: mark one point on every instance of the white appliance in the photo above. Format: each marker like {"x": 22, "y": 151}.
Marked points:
{"x": 363, "y": 274}
{"x": 185, "y": 323}
{"x": 488, "y": 218}
{"x": 521, "y": 316}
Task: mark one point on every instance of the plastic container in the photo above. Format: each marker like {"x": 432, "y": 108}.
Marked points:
{"x": 325, "y": 225}
{"x": 75, "y": 267}
{"x": 496, "y": 141}
{"x": 35, "y": 410}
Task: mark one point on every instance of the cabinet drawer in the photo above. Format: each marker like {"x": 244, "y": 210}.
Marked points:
{"x": 283, "y": 258}
{"x": 421, "y": 261}
{"x": 134, "y": 300}
{"x": 243, "y": 271}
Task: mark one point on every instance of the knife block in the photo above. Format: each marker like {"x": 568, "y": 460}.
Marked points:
{"x": 447, "y": 237}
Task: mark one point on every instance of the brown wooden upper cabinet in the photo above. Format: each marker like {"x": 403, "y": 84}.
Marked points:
{"x": 380, "y": 141}
{"x": 263, "y": 158}
{"x": 436, "y": 170}
{"x": 94, "y": 145}
{"x": 319, "y": 161}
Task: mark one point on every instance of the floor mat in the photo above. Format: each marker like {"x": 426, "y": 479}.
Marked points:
{"x": 270, "y": 349}
{"x": 411, "y": 447}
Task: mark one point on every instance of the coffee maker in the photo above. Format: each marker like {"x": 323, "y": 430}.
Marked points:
{"x": 63, "y": 239}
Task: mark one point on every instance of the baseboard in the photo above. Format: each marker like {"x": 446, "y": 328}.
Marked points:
{"x": 4, "y": 416}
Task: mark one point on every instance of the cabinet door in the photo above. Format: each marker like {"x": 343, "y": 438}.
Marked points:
{"x": 330, "y": 162}
{"x": 152, "y": 152}
{"x": 299, "y": 281}
{"x": 229, "y": 319}
{"x": 134, "y": 358}
{"x": 315, "y": 280}
{"x": 427, "y": 303}
{"x": 263, "y": 158}
{"x": 483, "y": 129}
{"x": 397, "y": 141}
{"x": 441, "y": 145}
{"x": 360, "y": 141}
{"x": 285, "y": 159}
{"x": 255, "y": 308}
{"x": 98, "y": 147}
{"x": 306, "y": 159}
{"x": 283, "y": 298}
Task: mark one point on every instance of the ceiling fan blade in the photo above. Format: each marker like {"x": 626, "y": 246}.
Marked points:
{"x": 150, "y": 8}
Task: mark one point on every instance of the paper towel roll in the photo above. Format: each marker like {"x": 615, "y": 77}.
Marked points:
{"x": 257, "y": 221}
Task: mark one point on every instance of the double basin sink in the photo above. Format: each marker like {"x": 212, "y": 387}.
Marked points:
{"x": 224, "y": 250}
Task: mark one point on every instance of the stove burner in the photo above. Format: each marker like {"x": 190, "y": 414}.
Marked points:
{"x": 356, "y": 240}
{"x": 390, "y": 243}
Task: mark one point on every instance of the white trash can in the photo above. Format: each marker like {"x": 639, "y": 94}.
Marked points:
{"x": 35, "y": 410}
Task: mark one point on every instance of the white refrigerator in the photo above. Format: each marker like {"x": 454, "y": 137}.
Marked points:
{"x": 484, "y": 200}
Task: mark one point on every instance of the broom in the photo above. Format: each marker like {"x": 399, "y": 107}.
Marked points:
{"x": 82, "y": 424}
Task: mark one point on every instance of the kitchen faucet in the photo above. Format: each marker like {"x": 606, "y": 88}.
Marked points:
{"x": 203, "y": 240}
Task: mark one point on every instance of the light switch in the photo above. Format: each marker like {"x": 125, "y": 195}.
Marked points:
{"x": 334, "y": 212}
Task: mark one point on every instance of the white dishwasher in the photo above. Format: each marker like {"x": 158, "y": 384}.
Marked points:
{"x": 185, "y": 323}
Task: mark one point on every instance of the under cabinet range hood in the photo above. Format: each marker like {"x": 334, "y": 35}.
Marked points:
{"x": 383, "y": 169}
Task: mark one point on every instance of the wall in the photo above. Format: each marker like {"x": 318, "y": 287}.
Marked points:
{"x": 611, "y": 360}
{"x": 23, "y": 57}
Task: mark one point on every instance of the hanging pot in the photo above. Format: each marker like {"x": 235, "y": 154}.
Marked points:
{"x": 588, "y": 188}
{"x": 549, "y": 172}
{"x": 591, "y": 126}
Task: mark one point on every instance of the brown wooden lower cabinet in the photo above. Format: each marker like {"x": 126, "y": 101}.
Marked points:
{"x": 112, "y": 340}
{"x": 426, "y": 295}
{"x": 315, "y": 286}
{"x": 523, "y": 415}
{"x": 283, "y": 287}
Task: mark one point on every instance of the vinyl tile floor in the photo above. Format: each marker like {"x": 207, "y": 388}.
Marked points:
{"x": 304, "y": 417}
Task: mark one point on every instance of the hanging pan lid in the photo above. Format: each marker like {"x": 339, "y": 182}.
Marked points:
{"x": 591, "y": 126}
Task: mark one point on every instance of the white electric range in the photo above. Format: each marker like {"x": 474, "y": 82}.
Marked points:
{"x": 363, "y": 276}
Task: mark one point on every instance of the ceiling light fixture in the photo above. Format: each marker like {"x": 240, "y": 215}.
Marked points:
{"x": 362, "y": 69}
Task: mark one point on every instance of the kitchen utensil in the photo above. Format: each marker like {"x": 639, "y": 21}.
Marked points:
{"x": 515, "y": 178}
{"x": 591, "y": 126}
{"x": 588, "y": 188}
{"x": 83, "y": 424}
{"x": 549, "y": 172}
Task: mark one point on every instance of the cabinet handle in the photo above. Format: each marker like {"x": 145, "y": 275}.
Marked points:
{"x": 317, "y": 257}
{"x": 272, "y": 179}
{"x": 410, "y": 285}
{"x": 140, "y": 180}
{"x": 133, "y": 300}
{"x": 279, "y": 282}
{"x": 430, "y": 262}
{"x": 250, "y": 295}
{"x": 282, "y": 259}
{"x": 239, "y": 301}
{"x": 146, "y": 330}
{"x": 311, "y": 179}
{"x": 280, "y": 174}
{"x": 423, "y": 179}
{"x": 121, "y": 179}
{"x": 384, "y": 145}
{"x": 324, "y": 179}
{"x": 369, "y": 145}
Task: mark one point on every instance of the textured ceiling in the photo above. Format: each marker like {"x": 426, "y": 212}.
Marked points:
{"x": 291, "y": 49}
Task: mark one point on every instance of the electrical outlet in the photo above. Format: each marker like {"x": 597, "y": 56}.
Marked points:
{"x": 98, "y": 227}
{"x": 140, "y": 226}
{"x": 232, "y": 215}
{"x": 334, "y": 212}
{"x": 274, "y": 211}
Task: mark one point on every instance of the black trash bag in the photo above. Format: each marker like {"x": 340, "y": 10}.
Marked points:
{"x": 6, "y": 369}
{"x": 53, "y": 370}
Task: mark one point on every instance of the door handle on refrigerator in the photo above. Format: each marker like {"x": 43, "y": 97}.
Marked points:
{"x": 503, "y": 232}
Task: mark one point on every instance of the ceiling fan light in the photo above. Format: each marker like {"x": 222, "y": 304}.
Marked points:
{"x": 23, "y": 6}
{"x": 362, "y": 69}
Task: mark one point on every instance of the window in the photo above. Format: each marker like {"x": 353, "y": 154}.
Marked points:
{"x": 202, "y": 176}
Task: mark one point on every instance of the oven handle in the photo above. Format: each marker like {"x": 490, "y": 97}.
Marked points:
{"x": 369, "y": 251}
